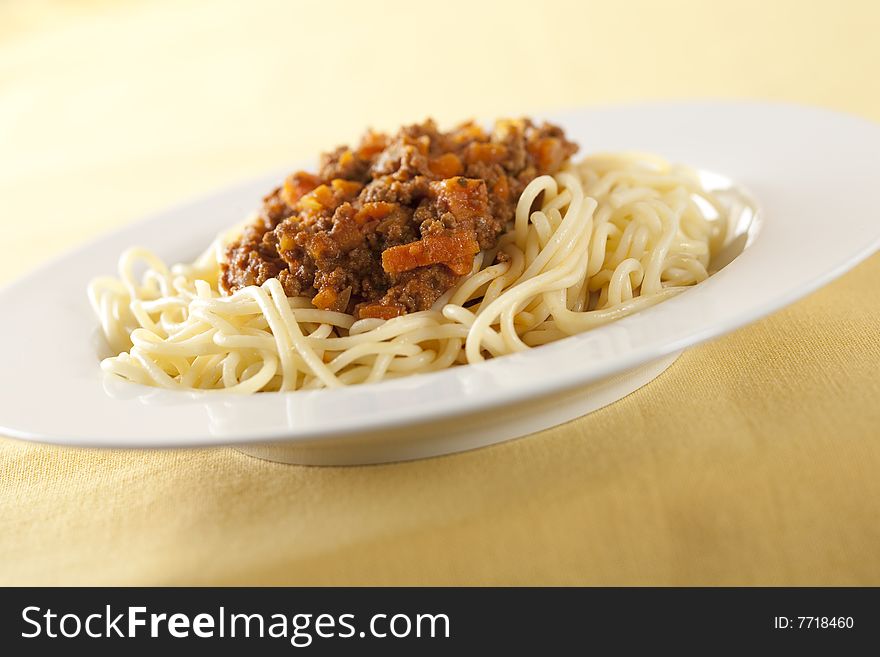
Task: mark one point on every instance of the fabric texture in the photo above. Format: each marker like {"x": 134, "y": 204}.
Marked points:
{"x": 752, "y": 460}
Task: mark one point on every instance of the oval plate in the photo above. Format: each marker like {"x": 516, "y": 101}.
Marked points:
{"x": 813, "y": 172}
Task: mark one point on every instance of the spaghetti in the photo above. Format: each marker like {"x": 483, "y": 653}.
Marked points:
{"x": 597, "y": 241}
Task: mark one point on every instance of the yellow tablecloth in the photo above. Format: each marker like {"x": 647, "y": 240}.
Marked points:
{"x": 753, "y": 460}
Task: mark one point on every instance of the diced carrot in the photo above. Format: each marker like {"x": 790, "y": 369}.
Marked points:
{"x": 378, "y": 311}
{"x": 325, "y": 298}
{"x": 485, "y": 152}
{"x": 374, "y": 210}
{"x": 466, "y": 198}
{"x": 319, "y": 198}
{"x": 454, "y": 249}
{"x": 348, "y": 188}
{"x": 467, "y": 132}
{"x": 297, "y": 185}
{"x": 501, "y": 190}
{"x": 346, "y": 158}
{"x": 423, "y": 144}
{"x": 548, "y": 153}
{"x": 445, "y": 166}
{"x": 286, "y": 242}
{"x": 320, "y": 246}
{"x": 372, "y": 144}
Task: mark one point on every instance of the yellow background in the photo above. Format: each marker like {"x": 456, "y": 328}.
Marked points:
{"x": 753, "y": 460}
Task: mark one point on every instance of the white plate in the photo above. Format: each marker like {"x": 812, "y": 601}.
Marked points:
{"x": 813, "y": 172}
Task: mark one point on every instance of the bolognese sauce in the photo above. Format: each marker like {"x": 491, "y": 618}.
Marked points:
{"x": 387, "y": 227}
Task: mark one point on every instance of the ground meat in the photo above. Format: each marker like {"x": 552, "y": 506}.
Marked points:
{"x": 386, "y": 228}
